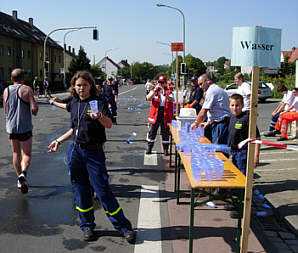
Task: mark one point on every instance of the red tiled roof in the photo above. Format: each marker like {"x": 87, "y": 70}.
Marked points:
{"x": 294, "y": 55}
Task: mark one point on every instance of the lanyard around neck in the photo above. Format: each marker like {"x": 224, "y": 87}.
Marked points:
{"x": 80, "y": 115}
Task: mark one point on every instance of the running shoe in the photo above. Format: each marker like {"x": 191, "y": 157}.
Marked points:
{"x": 22, "y": 184}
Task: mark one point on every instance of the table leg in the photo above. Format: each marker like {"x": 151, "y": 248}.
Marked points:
{"x": 239, "y": 228}
{"x": 178, "y": 180}
{"x": 176, "y": 170}
{"x": 171, "y": 143}
{"x": 191, "y": 223}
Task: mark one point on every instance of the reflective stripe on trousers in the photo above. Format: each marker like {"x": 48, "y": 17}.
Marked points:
{"x": 88, "y": 166}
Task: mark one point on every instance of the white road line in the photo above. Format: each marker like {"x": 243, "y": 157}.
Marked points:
{"x": 149, "y": 223}
{"x": 279, "y": 160}
{"x": 128, "y": 91}
{"x": 270, "y": 170}
{"x": 275, "y": 152}
{"x": 150, "y": 159}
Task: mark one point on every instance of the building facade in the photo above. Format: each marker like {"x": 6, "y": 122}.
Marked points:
{"x": 22, "y": 46}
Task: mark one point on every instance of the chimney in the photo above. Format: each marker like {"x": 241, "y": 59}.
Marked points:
{"x": 73, "y": 51}
{"x": 69, "y": 49}
{"x": 31, "y": 21}
{"x": 15, "y": 14}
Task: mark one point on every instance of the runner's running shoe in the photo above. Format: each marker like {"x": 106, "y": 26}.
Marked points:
{"x": 22, "y": 184}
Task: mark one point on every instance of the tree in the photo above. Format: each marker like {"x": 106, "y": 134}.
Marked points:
{"x": 97, "y": 73}
{"x": 79, "y": 62}
{"x": 219, "y": 65}
{"x": 194, "y": 65}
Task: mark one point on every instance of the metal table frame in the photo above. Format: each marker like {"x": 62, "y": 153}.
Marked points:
{"x": 197, "y": 193}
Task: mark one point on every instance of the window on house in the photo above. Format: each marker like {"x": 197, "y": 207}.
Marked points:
{"x": 9, "y": 51}
{"x": 29, "y": 54}
{"x": 22, "y": 54}
{"x": 40, "y": 55}
{"x": 1, "y": 50}
{"x": 59, "y": 58}
{"x": 55, "y": 59}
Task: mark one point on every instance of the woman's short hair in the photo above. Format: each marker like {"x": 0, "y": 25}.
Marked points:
{"x": 86, "y": 75}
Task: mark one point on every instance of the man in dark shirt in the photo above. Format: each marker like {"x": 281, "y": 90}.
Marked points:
{"x": 110, "y": 90}
{"x": 196, "y": 95}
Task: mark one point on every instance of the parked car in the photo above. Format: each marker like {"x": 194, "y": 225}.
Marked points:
{"x": 264, "y": 90}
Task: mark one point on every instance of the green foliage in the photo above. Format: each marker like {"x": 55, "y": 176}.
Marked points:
{"x": 287, "y": 68}
{"x": 219, "y": 65}
{"x": 79, "y": 62}
{"x": 97, "y": 73}
{"x": 194, "y": 65}
{"x": 288, "y": 81}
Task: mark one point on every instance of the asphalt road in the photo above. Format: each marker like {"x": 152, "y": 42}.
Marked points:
{"x": 44, "y": 220}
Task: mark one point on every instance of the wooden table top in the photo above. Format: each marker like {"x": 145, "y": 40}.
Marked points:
{"x": 232, "y": 177}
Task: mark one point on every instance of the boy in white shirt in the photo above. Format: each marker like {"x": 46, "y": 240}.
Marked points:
{"x": 287, "y": 100}
{"x": 287, "y": 117}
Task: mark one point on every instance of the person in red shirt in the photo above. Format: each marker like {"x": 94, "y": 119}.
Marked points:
{"x": 161, "y": 114}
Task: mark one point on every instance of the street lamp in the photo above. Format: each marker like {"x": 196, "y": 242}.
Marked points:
{"x": 163, "y": 5}
{"x": 171, "y": 7}
{"x": 168, "y": 44}
{"x": 63, "y": 29}
{"x": 106, "y": 52}
{"x": 64, "y": 54}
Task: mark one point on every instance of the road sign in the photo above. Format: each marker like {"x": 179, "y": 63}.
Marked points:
{"x": 178, "y": 46}
{"x": 256, "y": 46}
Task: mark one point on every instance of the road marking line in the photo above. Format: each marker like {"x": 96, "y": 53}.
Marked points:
{"x": 127, "y": 91}
{"x": 149, "y": 223}
{"x": 270, "y": 170}
{"x": 273, "y": 153}
{"x": 150, "y": 159}
{"x": 279, "y": 160}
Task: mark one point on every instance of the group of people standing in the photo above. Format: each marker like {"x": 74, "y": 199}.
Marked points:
{"x": 225, "y": 120}
{"x": 41, "y": 88}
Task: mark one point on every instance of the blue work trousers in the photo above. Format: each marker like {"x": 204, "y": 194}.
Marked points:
{"x": 217, "y": 133}
{"x": 113, "y": 109}
{"x": 239, "y": 159}
{"x": 90, "y": 164}
{"x": 274, "y": 120}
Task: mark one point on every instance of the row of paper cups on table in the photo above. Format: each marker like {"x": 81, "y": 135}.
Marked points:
{"x": 203, "y": 160}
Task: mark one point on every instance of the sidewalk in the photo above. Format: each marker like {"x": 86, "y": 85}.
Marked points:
{"x": 214, "y": 230}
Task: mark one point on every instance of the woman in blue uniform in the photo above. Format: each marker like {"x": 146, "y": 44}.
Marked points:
{"x": 86, "y": 158}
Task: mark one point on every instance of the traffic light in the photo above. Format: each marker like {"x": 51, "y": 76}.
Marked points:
{"x": 95, "y": 34}
{"x": 183, "y": 68}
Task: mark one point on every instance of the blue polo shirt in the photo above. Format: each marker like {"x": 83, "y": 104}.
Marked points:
{"x": 196, "y": 94}
{"x": 85, "y": 129}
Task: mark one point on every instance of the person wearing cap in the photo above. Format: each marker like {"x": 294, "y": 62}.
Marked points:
{"x": 161, "y": 114}
{"x": 196, "y": 95}
{"x": 110, "y": 90}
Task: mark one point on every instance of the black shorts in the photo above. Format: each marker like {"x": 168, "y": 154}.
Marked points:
{"x": 21, "y": 137}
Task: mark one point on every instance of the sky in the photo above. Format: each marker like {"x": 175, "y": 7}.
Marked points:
{"x": 130, "y": 29}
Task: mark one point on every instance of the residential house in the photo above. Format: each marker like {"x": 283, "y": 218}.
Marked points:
{"x": 108, "y": 66}
{"x": 293, "y": 55}
{"x": 22, "y": 46}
